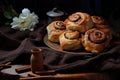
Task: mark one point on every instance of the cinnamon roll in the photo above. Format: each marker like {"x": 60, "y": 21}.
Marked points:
{"x": 101, "y": 24}
{"x": 55, "y": 29}
{"x": 104, "y": 28}
{"x": 98, "y": 20}
{"x": 95, "y": 40}
{"x": 70, "y": 40}
{"x": 79, "y": 21}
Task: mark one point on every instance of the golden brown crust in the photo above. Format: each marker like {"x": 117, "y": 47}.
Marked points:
{"x": 55, "y": 29}
{"x": 104, "y": 28}
{"x": 70, "y": 40}
{"x": 72, "y": 34}
{"x": 98, "y": 20}
{"x": 101, "y": 24}
{"x": 79, "y": 21}
{"x": 95, "y": 40}
{"x": 96, "y": 34}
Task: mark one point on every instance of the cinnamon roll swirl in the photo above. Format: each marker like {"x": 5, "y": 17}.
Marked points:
{"x": 98, "y": 20}
{"x": 79, "y": 21}
{"x": 55, "y": 29}
{"x": 95, "y": 40}
{"x": 70, "y": 40}
{"x": 101, "y": 24}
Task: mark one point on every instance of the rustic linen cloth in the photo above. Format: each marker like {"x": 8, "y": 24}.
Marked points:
{"x": 16, "y": 46}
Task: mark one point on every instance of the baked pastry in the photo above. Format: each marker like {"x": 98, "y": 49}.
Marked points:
{"x": 101, "y": 24}
{"x": 55, "y": 29}
{"x": 104, "y": 28}
{"x": 98, "y": 20}
{"x": 79, "y": 21}
{"x": 70, "y": 40}
{"x": 95, "y": 40}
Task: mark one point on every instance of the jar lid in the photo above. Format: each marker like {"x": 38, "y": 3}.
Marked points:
{"x": 55, "y": 13}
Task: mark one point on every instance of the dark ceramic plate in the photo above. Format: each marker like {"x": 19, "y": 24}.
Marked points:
{"x": 56, "y": 46}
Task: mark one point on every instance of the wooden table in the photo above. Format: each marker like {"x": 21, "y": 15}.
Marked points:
{"x": 28, "y": 75}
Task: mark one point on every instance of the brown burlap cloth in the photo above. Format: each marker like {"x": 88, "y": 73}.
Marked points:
{"x": 15, "y": 46}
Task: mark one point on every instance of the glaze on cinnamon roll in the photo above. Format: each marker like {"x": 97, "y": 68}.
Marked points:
{"x": 79, "y": 21}
{"x": 55, "y": 29}
{"x": 70, "y": 40}
{"x": 95, "y": 40}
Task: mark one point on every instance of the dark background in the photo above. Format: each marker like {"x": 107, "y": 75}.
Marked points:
{"x": 94, "y": 7}
{"x": 109, "y": 9}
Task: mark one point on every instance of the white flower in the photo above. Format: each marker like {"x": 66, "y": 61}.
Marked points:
{"x": 26, "y": 20}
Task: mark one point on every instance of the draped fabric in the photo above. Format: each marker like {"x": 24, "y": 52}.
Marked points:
{"x": 66, "y": 63}
{"x": 15, "y": 45}
{"x": 15, "y": 42}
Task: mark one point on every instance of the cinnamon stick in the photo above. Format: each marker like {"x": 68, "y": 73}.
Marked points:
{"x": 30, "y": 74}
{"x": 23, "y": 69}
{"x": 49, "y": 72}
{"x": 5, "y": 65}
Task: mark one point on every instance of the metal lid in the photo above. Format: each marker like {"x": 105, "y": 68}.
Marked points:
{"x": 55, "y": 13}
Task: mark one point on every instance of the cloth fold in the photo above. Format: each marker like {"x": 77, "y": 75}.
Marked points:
{"x": 62, "y": 62}
{"x": 16, "y": 46}
{"x": 15, "y": 43}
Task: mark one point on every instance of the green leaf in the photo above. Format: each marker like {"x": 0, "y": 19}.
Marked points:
{"x": 7, "y": 15}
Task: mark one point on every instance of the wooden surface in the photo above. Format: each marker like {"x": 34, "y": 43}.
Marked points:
{"x": 28, "y": 75}
{"x": 76, "y": 76}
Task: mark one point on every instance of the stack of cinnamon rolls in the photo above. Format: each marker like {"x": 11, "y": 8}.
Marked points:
{"x": 80, "y": 30}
